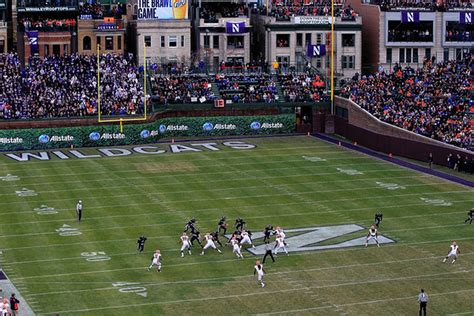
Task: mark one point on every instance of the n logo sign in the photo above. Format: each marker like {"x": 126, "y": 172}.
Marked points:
{"x": 309, "y": 238}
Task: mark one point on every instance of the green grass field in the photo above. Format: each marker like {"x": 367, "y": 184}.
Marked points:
{"x": 279, "y": 182}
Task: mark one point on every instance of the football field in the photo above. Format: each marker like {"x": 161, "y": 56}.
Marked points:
{"x": 323, "y": 195}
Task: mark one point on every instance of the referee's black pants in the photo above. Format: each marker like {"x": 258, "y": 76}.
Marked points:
{"x": 423, "y": 307}
{"x": 268, "y": 253}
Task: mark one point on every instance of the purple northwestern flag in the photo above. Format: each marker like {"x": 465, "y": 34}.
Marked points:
{"x": 235, "y": 27}
{"x": 465, "y": 17}
{"x": 316, "y": 50}
{"x": 410, "y": 16}
{"x": 33, "y": 40}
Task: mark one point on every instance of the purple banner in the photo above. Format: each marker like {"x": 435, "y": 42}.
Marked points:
{"x": 465, "y": 17}
{"x": 410, "y": 16}
{"x": 316, "y": 50}
{"x": 235, "y": 27}
{"x": 33, "y": 41}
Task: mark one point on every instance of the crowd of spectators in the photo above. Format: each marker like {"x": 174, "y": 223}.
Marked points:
{"x": 67, "y": 86}
{"x": 418, "y": 34}
{"x": 460, "y": 163}
{"x": 431, "y": 5}
{"x": 47, "y": 25}
{"x": 247, "y": 87}
{"x": 283, "y": 10}
{"x": 211, "y": 12}
{"x": 302, "y": 87}
{"x": 459, "y": 35}
{"x": 96, "y": 10}
{"x": 433, "y": 100}
{"x": 181, "y": 89}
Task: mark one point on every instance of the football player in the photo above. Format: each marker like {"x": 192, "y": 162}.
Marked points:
{"x": 373, "y": 234}
{"x": 260, "y": 272}
{"x": 185, "y": 244}
{"x": 209, "y": 244}
{"x": 453, "y": 252}
{"x": 156, "y": 261}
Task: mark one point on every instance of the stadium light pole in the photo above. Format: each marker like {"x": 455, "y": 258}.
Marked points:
{"x": 332, "y": 56}
{"x": 98, "y": 80}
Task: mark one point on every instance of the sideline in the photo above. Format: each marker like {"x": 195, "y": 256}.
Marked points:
{"x": 396, "y": 161}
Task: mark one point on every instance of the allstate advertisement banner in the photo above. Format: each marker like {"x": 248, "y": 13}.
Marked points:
{"x": 162, "y": 9}
{"x": 109, "y": 135}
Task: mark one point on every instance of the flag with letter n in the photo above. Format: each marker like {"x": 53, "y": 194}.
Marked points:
{"x": 410, "y": 16}
{"x": 33, "y": 41}
{"x": 316, "y": 50}
{"x": 235, "y": 27}
{"x": 465, "y": 17}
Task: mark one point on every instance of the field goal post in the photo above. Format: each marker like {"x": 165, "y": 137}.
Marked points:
{"x": 122, "y": 120}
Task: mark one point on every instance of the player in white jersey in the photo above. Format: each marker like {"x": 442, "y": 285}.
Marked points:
{"x": 209, "y": 244}
{"x": 259, "y": 271}
{"x": 373, "y": 234}
{"x": 279, "y": 232}
{"x": 453, "y": 252}
{"x": 156, "y": 261}
{"x": 185, "y": 244}
{"x": 279, "y": 244}
{"x": 236, "y": 248}
{"x": 246, "y": 239}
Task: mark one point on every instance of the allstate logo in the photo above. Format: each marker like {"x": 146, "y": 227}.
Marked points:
{"x": 162, "y": 128}
{"x": 255, "y": 125}
{"x": 145, "y": 134}
{"x": 207, "y": 126}
{"x": 43, "y": 139}
{"x": 94, "y": 136}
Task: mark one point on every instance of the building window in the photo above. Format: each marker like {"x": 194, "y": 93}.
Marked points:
{"x": 446, "y": 54}
{"x": 109, "y": 43}
{"x": 401, "y": 55}
{"x": 318, "y": 63}
{"x": 46, "y": 50}
{"x": 65, "y": 49}
{"x": 283, "y": 40}
{"x": 99, "y": 42}
{"x": 389, "y": 55}
{"x": 147, "y": 39}
{"x": 207, "y": 40}
{"x": 408, "y": 55}
{"x": 299, "y": 39}
{"x": 162, "y": 41}
{"x": 235, "y": 42}
{"x": 308, "y": 39}
{"x": 415, "y": 55}
{"x": 348, "y": 40}
{"x": 86, "y": 43}
{"x": 319, "y": 38}
{"x": 172, "y": 41}
{"x": 182, "y": 40}
{"x": 348, "y": 62}
{"x": 215, "y": 41}
{"x": 427, "y": 52}
{"x": 119, "y": 42}
{"x": 458, "y": 54}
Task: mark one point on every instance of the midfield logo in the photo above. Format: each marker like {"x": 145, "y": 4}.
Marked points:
{"x": 308, "y": 238}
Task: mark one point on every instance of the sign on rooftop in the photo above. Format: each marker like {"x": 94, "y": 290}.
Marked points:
{"x": 312, "y": 20}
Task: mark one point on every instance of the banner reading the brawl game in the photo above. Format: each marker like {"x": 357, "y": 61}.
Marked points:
{"x": 109, "y": 135}
{"x": 162, "y": 9}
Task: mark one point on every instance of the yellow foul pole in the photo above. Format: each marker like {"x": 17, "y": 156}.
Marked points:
{"x": 98, "y": 80}
{"x": 144, "y": 76}
{"x": 332, "y": 56}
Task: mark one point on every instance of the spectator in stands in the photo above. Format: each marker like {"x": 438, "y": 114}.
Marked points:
{"x": 67, "y": 86}
{"x": 174, "y": 89}
{"x": 432, "y": 101}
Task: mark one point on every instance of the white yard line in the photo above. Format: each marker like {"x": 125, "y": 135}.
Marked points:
{"x": 205, "y": 262}
{"x": 175, "y": 236}
{"x": 292, "y": 311}
{"x": 223, "y": 297}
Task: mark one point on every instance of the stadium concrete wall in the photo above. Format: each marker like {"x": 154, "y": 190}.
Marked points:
{"x": 361, "y": 127}
{"x": 165, "y": 128}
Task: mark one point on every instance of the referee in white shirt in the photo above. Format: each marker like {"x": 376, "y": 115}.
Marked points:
{"x": 423, "y": 300}
{"x": 79, "y": 210}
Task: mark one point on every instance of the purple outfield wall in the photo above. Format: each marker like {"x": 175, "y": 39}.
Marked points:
{"x": 370, "y": 132}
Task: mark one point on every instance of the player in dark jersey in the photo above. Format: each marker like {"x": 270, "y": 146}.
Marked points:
{"x": 141, "y": 243}
{"x": 222, "y": 225}
{"x": 239, "y": 224}
{"x": 378, "y": 218}
{"x": 215, "y": 237}
{"x": 470, "y": 216}
{"x": 189, "y": 225}
{"x": 267, "y": 232}
{"x": 195, "y": 236}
